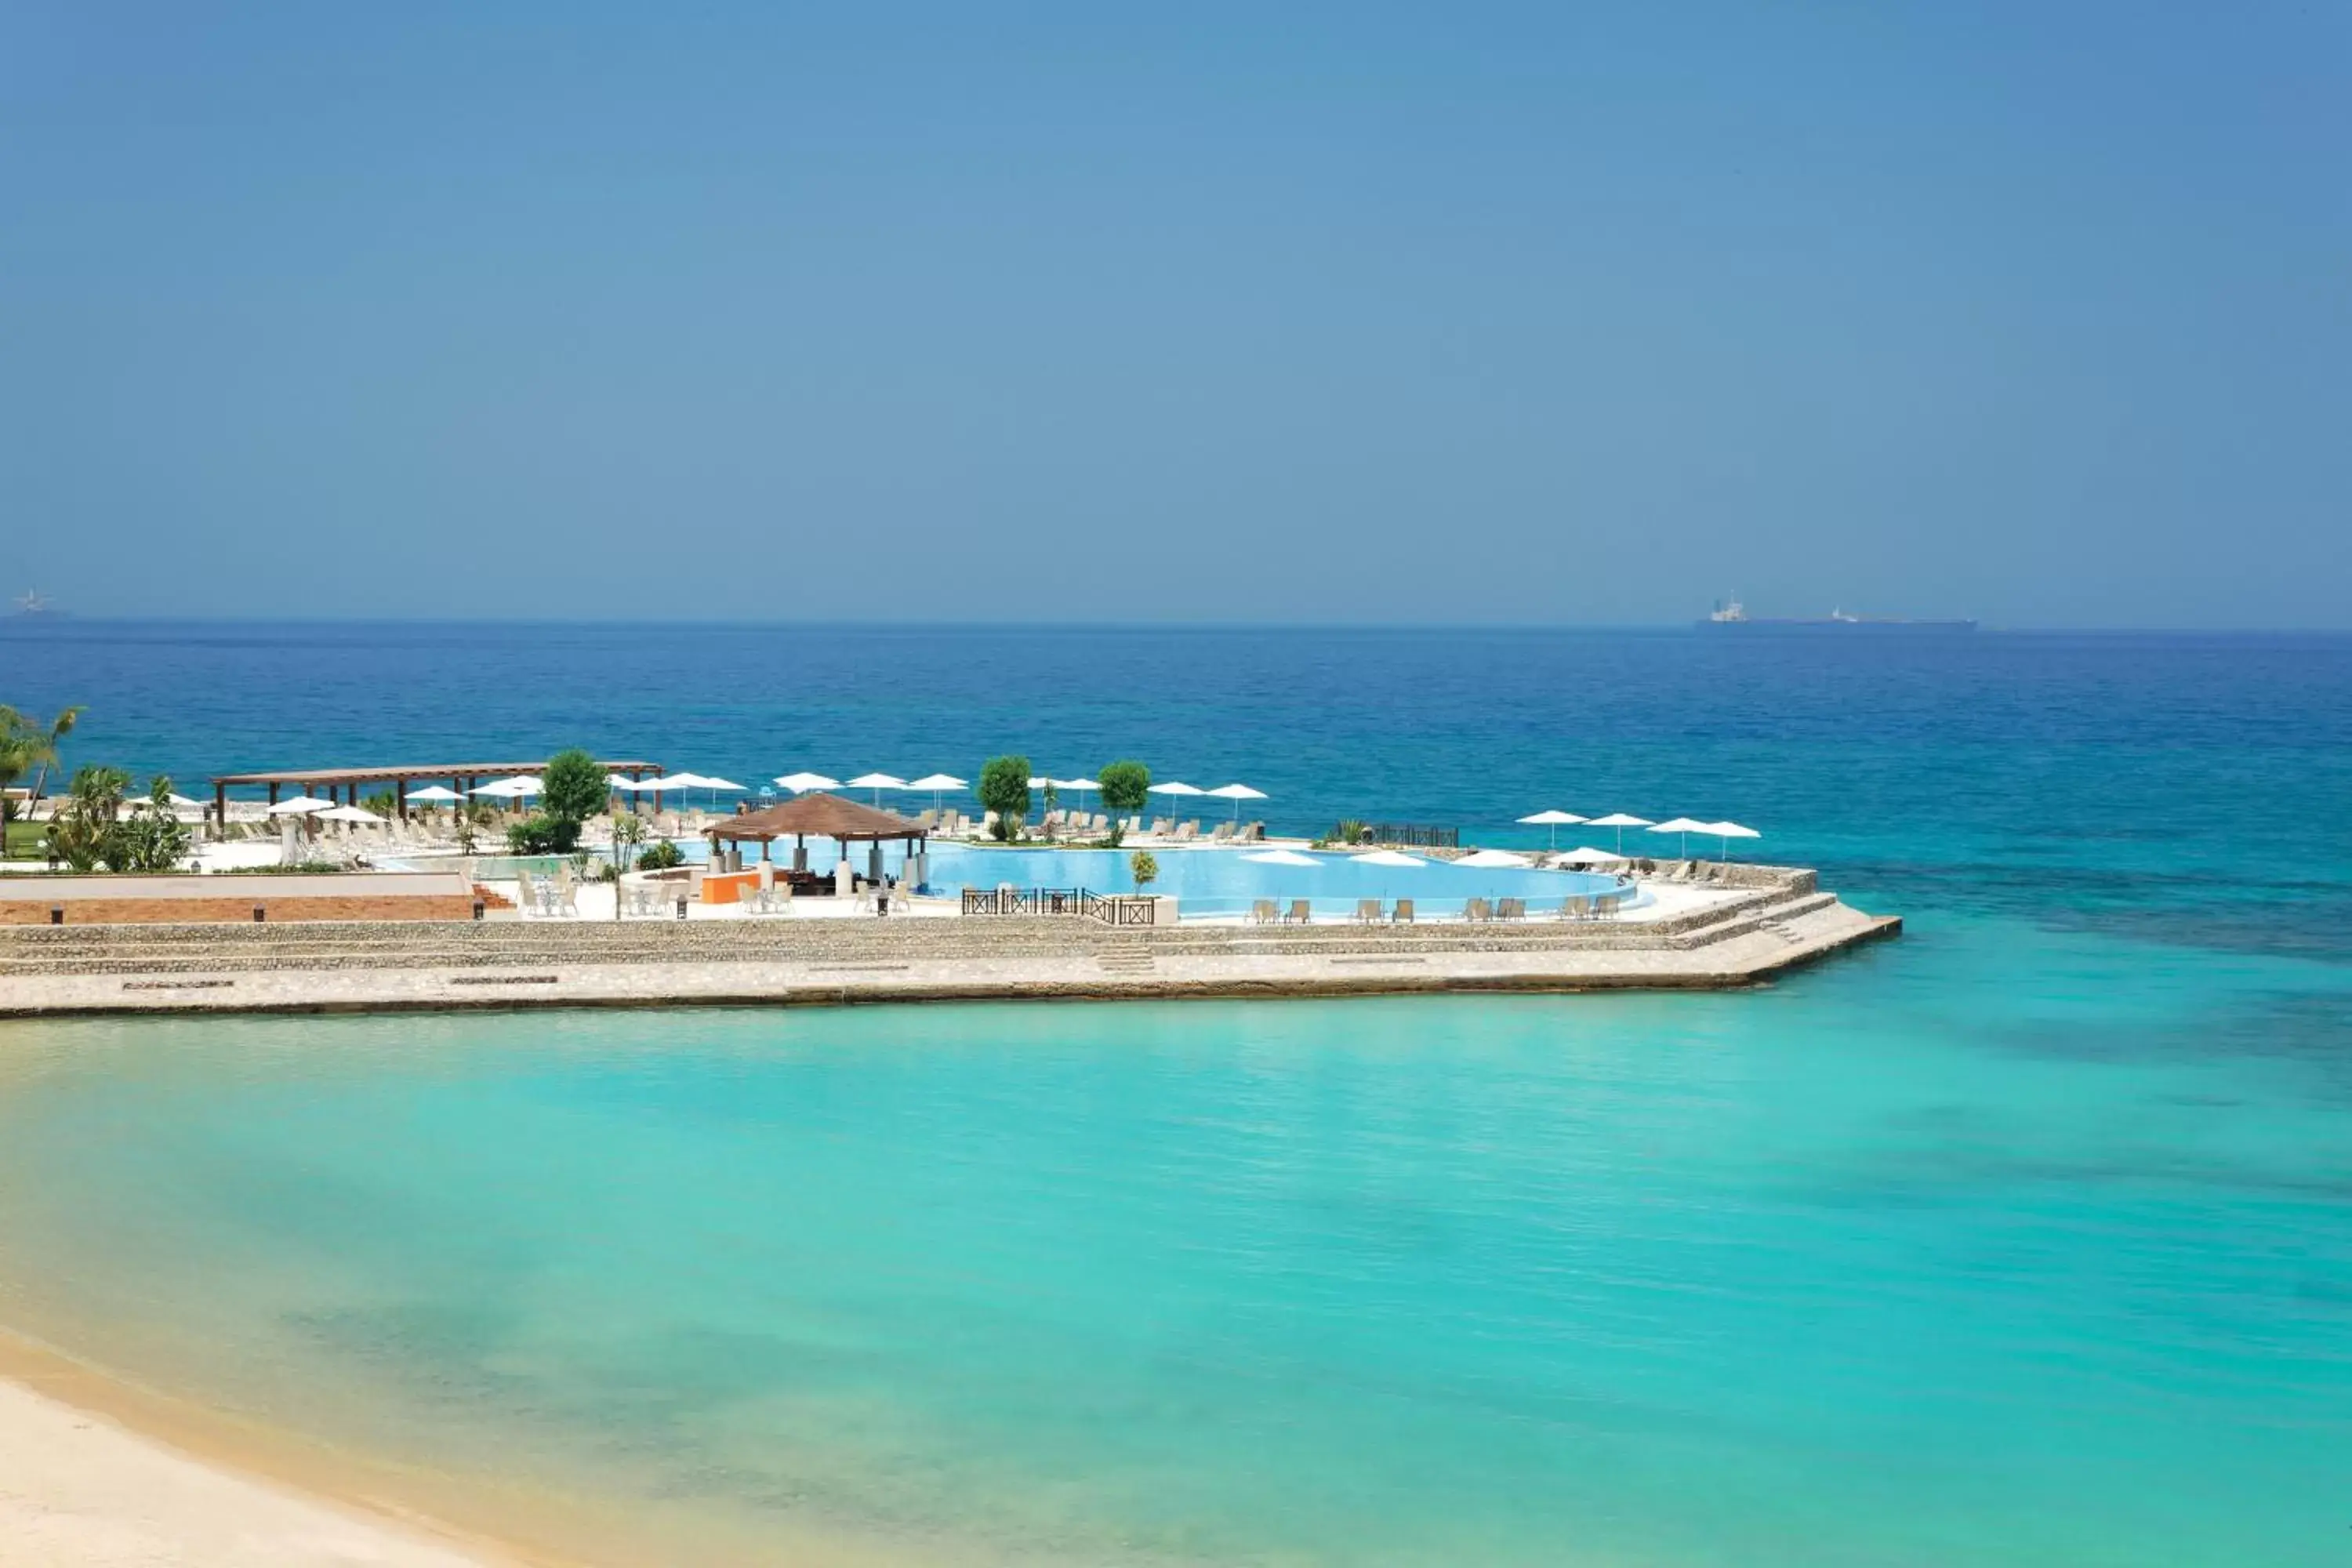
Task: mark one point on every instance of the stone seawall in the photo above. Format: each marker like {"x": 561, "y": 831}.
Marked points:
{"x": 368, "y": 966}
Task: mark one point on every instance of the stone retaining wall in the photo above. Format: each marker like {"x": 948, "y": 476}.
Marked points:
{"x": 225, "y": 912}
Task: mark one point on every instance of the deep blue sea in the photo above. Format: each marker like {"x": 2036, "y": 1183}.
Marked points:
{"x": 2026, "y": 1238}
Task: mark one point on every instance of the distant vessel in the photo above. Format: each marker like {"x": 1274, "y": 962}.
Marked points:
{"x": 34, "y": 604}
{"x": 1730, "y": 614}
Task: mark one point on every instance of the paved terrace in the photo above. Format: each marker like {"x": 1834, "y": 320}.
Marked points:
{"x": 371, "y": 966}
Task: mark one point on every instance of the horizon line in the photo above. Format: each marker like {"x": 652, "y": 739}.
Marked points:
{"x": 850, "y": 623}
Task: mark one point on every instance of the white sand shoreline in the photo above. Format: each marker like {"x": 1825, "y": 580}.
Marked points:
{"x": 77, "y": 1487}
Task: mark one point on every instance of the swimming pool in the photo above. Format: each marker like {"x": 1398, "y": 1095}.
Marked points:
{"x": 1212, "y": 882}
{"x": 1207, "y": 883}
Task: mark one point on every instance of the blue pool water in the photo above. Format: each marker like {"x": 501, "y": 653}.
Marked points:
{"x": 1214, "y": 883}
{"x": 2027, "y": 1238}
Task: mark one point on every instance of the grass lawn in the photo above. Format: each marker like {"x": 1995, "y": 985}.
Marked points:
{"x": 23, "y": 838}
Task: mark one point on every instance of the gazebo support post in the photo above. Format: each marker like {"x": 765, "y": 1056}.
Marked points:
{"x": 220, "y": 811}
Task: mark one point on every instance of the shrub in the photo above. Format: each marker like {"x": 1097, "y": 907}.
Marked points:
{"x": 1005, "y": 790}
{"x": 1144, "y": 867}
{"x": 543, "y": 835}
{"x": 1126, "y": 787}
{"x": 152, "y": 839}
{"x": 83, "y": 833}
{"x": 661, "y": 855}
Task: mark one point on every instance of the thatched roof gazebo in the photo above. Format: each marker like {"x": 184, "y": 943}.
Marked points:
{"x": 817, "y": 816}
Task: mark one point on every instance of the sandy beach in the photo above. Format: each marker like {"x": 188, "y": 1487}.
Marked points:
{"x": 78, "y": 1486}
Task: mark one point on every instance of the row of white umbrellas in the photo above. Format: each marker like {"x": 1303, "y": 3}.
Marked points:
{"x": 799, "y": 783}
{"x": 1621, "y": 821}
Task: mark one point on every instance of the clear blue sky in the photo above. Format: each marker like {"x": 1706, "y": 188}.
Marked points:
{"x": 2038, "y": 313}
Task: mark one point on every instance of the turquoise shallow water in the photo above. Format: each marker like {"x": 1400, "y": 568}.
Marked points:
{"x": 2067, "y": 1279}
{"x": 2027, "y": 1238}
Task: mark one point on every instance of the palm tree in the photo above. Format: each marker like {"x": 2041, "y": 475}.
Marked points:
{"x": 25, "y": 742}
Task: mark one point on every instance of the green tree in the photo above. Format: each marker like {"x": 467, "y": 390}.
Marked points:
{"x": 1005, "y": 790}
{"x": 83, "y": 831}
{"x": 1144, "y": 867}
{"x": 628, "y": 832}
{"x": 1126, "y": 787}
{"x": 574, "y": 787}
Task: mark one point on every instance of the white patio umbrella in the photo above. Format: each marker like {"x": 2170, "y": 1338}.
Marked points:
{"x": 1237, "y": 793}
{"x": 1494, "y": 858}
{"x": 1175, "y": 787}
{"x": 1621, "y": 821}
{"x": 1684, "y": 825}
{"x": 351, "y": 814}
{"x": 301, "y": 805}
{"x": 800, "y": 783}
{"x": 1386, "y": 858}
{"x": 1281, "y": 858}
{"x": 1727, "y": 832}
{"x": 1589, "y": 856}
{"x": 877, "y": 783}
{"x": 717, "y": 785}
{"x": 936, "y": 783}
{"x": 433, "y": 794}
{"x": 1080, "y": 784}
{"x": 1555, "y": 820}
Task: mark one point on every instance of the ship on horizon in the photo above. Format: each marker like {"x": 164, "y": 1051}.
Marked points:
{"x": 1730, "y": 614}
{"x": 35, "y": 604}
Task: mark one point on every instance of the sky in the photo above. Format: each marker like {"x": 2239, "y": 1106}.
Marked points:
{"x": 2039, "y": 313}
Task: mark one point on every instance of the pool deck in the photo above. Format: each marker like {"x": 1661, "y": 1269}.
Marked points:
{"x": 1743, "y": 938}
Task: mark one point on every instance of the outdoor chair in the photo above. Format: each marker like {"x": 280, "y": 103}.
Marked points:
{"x": 1607, "y": 905}
{"x": 1575, "y": 909}
{"x": 1301, "y": 913}
{"x": 525, "y": 899}
{"x": 1403, "y": 915}
{"x": 1261, "y": 912}
{"x": 1188, "y": 831}
{"x": 1512, "y": 909}
{"x": 1477, "y": 911}
{"x": 1368, "y": 911}
{"x": 1222, "y": 834}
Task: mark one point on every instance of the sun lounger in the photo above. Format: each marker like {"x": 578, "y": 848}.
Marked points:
{"x": 1301, "y": 913}
{"x": 1188, "y": 831}
{"x": 1161, "y": 827}
{"x": 1222, "y": 834}
{"x": 1512, "y": 909}
{"x": 1261, "y": 912}
{"x": 1368, "y": 911}
{"x": 1403, "y": 913}
{"x": 1477, "y": 911}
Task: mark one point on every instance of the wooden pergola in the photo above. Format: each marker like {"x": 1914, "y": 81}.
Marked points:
{"x": 342, "y": 785}
{"x": 817, "y": 816}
